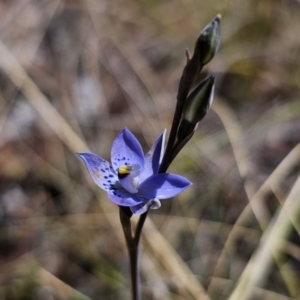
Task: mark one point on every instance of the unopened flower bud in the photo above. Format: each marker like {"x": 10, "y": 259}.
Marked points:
{"x": 199, "y": 101}
{"x": 208, "y": 41}
{"x": 196, "y": 106}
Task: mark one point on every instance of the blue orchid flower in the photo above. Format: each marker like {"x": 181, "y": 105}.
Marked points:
{"x": 132, "y": 178}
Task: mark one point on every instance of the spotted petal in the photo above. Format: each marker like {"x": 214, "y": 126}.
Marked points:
{"x": 162, "y": 186}
{"x": 126, "y": 150}
{"x": 123, "y": 198}
{"x": 100, "y": 170}
{"x": 153, "y": 157}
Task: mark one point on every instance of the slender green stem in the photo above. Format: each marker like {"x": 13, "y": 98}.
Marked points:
{"x": 176, "y": 119}
{"x": 178, "y": 147}
{"x": 134, "y": 270}
{"x": 139, "y": 227}
{"x": 190, "y": 72}
{"x": 133, "y": 250}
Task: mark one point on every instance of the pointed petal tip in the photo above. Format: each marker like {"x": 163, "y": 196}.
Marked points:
{"x": 79, "y": 154}
{"x": 82, "y": 153}
{"x": 86, "y": 155}
{"x": 126, "y": 130}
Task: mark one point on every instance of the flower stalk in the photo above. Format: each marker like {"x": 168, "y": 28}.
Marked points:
{"x": 133, "y": 250}
{"x": 132, "y": 243}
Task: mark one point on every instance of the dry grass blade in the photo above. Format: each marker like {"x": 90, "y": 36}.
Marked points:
{"x": 63, "y": 290}
{"x": 36, "y": 98}
{"x": 270, "y": 245}
{"x": 241, "y": 154}
{"x": 273, "y": 180}
{"x": 173, "y": 263}
{"x": 44, "y": 277}
{"x": 255, "y": 199}
{"x": 255, "y": 204}
{"x": 258, "y": 293}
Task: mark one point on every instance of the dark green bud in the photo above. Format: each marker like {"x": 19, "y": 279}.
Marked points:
{"x": 195, "y": 108}
{"x": 208, "y": 41}
{"x": 199, "y": 101}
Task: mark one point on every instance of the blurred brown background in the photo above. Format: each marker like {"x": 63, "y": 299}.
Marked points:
{"x": 73, "y": 74}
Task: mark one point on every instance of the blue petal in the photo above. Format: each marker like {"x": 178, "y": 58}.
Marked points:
{"x": 123, "y": 198}
{"x": 163, "y": 186}
{"x": 126, "y": 150}
{"x": 153, "y": 157}
{"x": 100, "y": 170}
{"x": 143, "y": 207}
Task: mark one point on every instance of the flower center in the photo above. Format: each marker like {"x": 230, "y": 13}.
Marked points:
{"x": 123, "y": 171}
{"x": 128, "y": 177}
